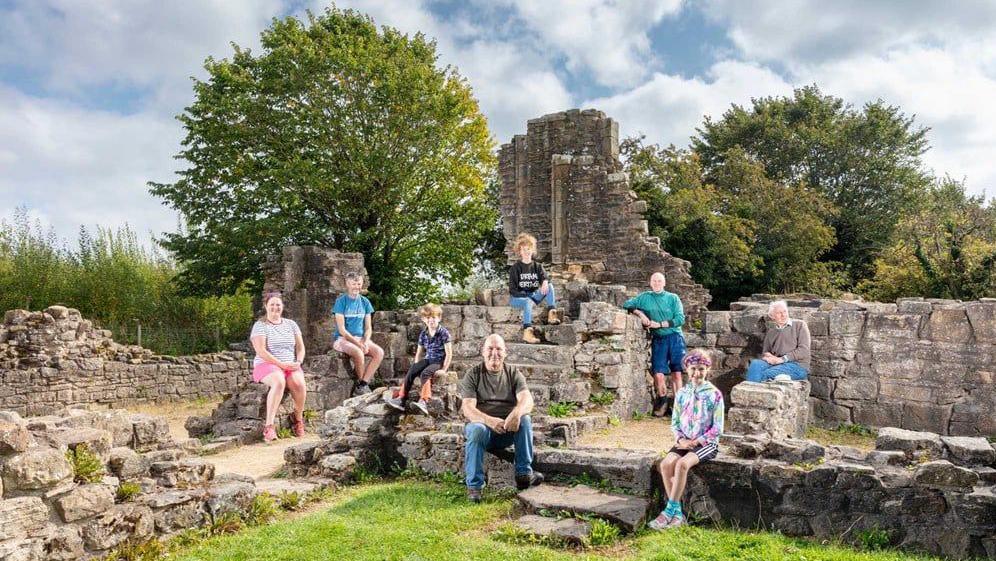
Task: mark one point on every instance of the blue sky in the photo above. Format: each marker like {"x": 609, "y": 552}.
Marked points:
{"x": 89, "y": 90}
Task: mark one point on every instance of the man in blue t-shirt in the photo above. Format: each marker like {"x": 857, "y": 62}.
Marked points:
{"x": 353, "y": 327}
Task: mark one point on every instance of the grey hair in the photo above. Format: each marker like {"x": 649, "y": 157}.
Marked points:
{"x": 353, "y": 275}
{"x": 778, "y": 304}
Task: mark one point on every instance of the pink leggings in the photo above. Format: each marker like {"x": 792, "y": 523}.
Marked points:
{"x": 264, "y": 369}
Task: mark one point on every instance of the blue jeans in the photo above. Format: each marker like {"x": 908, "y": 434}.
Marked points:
{"x": 480, "y": 438}
{"x": 525, "y": 303}
{"x": 760, "y": 371}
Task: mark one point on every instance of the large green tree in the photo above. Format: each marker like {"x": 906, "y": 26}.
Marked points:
{"x": 867, "y": 162}
{"x": 945, "y": 248}
{"x": 337, "y": 134}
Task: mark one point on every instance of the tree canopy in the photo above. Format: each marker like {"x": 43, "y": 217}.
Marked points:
{"x": 866, "y": 162}
{"x": 336, "y": 134}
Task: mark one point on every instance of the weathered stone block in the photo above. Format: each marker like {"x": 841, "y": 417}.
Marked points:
{"x": 175, "y": 510}
{"x": 856, "y": 388}
{"x": 625, "y": 511}
{"x": 338, "y": 466}
{"x": 118, "y": 524}
{"x": 982, "y": 317}
{"x": 229, "y": 496}
{"x": 969, "y": 451}
{"x": 716, "y": 322}
{"x": 150, "y": 432}
{"x": 942, "y": 474}
{"x": 182, "y": 473}
{"x": 84, "y": 501}
{"x": 63, "y": 543}
{"x": 37, "y": 468}
{"x": 948, "y": 325}
{"x": 14, "y": 437}
{"x": 752, "y": 394}
{"x": 21, "y": 517}
{"x": 891, "y": 438}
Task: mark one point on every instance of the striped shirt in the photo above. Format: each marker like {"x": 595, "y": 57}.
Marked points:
{"x": 279, "y": 339}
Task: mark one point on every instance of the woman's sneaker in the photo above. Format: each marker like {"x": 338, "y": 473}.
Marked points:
{"x": 661, "y": 522}
{"x": 269, "y": 433}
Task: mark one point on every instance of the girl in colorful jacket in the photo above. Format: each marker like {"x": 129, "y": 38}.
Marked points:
{"x": 697, "y": 422}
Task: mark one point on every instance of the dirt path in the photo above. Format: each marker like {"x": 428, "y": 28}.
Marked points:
{"x": 258, "y": 460}
{"x": 648, "y": 434}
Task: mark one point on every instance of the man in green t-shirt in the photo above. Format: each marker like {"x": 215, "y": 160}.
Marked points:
{"x": 497, "y": 403}
{"x": 661, "y": 312}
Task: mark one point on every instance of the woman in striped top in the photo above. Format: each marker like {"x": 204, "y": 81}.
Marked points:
{"x": 279, "y": 354}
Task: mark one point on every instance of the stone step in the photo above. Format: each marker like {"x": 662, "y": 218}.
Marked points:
{"x": 625, "y": 469}
{"x": 554, "y": 355}
{"x": 304, "y": 486}
{"x": 627, "y": 512}
{"x": 220, "y": 444}
{"x": 543, "y": 373}
{"x": 568, "y": 530}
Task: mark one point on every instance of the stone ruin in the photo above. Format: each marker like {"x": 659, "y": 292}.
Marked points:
{"x": 55, "y": 358}
{"x": 563, "y": 182}
{"x": 47, "y": 514}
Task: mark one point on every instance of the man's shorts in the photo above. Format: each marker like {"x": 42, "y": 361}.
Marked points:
{"x": 705, "y": 452}
{"x": 666, "y": 353}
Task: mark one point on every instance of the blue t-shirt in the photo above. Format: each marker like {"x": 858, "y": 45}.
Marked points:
{"x": 354, "y": 311}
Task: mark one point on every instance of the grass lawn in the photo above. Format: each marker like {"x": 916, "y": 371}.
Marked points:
{"x": 416, "y": 521}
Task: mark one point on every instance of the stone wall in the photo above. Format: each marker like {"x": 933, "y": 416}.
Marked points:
{"x": 46, "y": 515}
{"x": 54, "y": 358}
{"x": 311, "y": 278}
{"x": 916, "y": 364}
{"x": 774, "y": 409}
{"x": 563, "y": 183}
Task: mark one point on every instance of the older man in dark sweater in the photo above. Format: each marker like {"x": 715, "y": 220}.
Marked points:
{"x": 785, "y": 349}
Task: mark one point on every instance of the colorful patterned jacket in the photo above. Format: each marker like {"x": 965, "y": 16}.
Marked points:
{"x": 698, "y": 413}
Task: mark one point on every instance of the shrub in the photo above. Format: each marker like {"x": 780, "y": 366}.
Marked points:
{"x": 87, "y": 467}
{"x": 290, "y": 500}
{"x": 127, "y": 491}
{"x": 873, "y": 539}
{"x": 561, "y": 409}
{"x": 284, "y": 432}
{"x": 262, "y": 510}
{"x": 133, "y": 550}
{"x": 602, "y": 532}
{"x": 227, "y": 523}
{"x": 603, "y": 398}
{"x": 640, "y": 416}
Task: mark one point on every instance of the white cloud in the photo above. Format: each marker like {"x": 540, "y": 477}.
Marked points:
{"x": 73, "y": 167}
{"x": 607, "y": 38}
{"x": 668, "y": 108}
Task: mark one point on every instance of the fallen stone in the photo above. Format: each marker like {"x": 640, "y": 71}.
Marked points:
{"x": 150, "y": 432}
{"x": 127, "y": 463}
{"x": 908, "y": 441}
{"x": 183, "y": 473}
{"x": 38, "y": 468}
{"x": 174, "y": 510}
{"x": 569, "y": 530}
{"x": 21, "y": 517}
{"x": 14, "y": 437}
{"x": 628, "y": 512}
{"x": 969, "y": 450}
{"x": 231, "y": 496}
{"x": 220, "y": 444}
{"x": 118, "y": 524}
{"x": 84, "y": 501}
{"x": 942, "y": 474}
{"x": 337, "y": 466}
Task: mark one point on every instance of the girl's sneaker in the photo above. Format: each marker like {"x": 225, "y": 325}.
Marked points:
{"x": 395, "y": 403}
{"x": 677, "y": 521}
{"x": 298, "y": 427}
{"x": 269, "y": 433}
{"x": 661, "y": 522}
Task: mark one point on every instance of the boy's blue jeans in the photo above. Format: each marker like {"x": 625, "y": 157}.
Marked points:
{"x": 480, "y": 438}
{"x": 760, "y": 371}
{"x": 525, "y": 303}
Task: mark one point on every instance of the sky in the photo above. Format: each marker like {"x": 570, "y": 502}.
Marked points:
{"x": 89, "y": 90}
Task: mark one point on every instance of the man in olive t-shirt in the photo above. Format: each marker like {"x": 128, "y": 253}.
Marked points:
{"x": 497, "y": 402}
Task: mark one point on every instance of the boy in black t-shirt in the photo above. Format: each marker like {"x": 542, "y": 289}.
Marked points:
{"x": 528, "y": 285}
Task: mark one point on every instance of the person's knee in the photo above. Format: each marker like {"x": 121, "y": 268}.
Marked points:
{"x": 525, "y": 423}
{"x": 476, "y": 433}
{"x": 278, "y": 383}
{"x": 375, "y": 351}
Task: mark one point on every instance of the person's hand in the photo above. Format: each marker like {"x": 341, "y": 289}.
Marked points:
{"x": 496, "y": 424}
{"x": 287, "y": 365}
{"x": 365, "y": 345}
{"x": 544, "y": 289}
{"x": 664, "y": 324}
{"x": 770, "y": 359}
{"x": 655, "y": 325}
{"x": 645, "y": 321}
{"x": 512, "y": 422}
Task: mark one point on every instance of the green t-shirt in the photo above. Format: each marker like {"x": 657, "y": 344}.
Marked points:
{"x": 662, "y": 306}
{"x": 494, "y": 391}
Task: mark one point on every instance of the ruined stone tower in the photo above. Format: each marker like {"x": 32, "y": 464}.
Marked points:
{"x": 563, "y": 183}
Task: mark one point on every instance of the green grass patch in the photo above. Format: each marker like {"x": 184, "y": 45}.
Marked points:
{"x": 422, "y": 520}
{"x": 640, "y": 415}
{"x": 127, "y": 491}
{"x": 846, "y": 434}
{"x": 606, "y": 397}
{"x": 87, "y": 467}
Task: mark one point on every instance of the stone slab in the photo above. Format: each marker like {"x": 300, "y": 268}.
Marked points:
{"x": 628, "y": 512}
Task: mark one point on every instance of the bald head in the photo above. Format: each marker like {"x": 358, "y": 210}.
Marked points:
{"x": 657, "y": 282}
{"x": 494, "y": 352}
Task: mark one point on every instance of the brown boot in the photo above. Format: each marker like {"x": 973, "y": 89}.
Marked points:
{"x": 529, "y": 336}
{"x": 554, "y": 316}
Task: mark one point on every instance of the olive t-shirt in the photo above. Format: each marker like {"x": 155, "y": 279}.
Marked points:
{"x": 494, "y": 391}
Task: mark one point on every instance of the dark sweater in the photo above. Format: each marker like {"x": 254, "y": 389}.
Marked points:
{"x": 791, "y": 341}
{"x": 525, "y": 278}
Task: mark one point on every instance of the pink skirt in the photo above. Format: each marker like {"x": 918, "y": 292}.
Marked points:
{"x": 264, "y": 369}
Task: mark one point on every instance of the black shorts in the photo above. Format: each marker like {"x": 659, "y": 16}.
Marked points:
{"x": 705, "y": 452}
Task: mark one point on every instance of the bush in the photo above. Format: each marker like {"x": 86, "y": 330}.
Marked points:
{"x": 290, "y": 500}
{"x": 602, "y": 532}
{"x": 561, "y": 409}
{"x": 133, "y": 550}
{"x": 227, "y": 523}
{"x": 127, "y": 491}
{"x": 87, "y": 467}
{"x": 262, "y": 510}
{"x": 874, "y": 539}
{"x": 606, "y": 397}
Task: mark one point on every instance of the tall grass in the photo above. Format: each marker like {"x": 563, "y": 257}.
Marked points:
{"x": 115, "y": 281}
